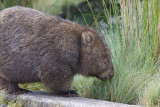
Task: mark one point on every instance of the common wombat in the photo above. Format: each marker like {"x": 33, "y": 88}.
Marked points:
{"x": 38, "y": 47}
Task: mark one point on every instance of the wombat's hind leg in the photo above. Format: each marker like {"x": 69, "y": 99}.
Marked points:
{"x": 11, "y": 88}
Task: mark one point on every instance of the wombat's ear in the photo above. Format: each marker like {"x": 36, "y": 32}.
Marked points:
{"x": 87, "y": 37}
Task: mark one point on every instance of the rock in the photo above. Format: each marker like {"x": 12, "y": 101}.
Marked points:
{"x": 43, "y": 99}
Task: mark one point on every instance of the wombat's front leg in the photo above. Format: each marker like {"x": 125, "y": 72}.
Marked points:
{"x": 58, "y": 79}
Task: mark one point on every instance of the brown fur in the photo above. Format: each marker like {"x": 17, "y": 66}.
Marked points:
{"x": 38, "y": 47}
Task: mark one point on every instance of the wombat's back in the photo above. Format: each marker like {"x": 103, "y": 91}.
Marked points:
{"x": 28, "y": 13}
{"x": 29, "y": 39}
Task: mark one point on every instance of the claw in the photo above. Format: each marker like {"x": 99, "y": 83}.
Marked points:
{"x": 70, "y": 93}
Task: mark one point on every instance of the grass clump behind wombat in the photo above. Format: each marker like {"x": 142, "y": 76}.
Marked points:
{"x": 38, "y": 47}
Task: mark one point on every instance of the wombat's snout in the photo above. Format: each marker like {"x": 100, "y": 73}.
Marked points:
{"x": 106, "y": 74}
{"x": 111, "y": 74}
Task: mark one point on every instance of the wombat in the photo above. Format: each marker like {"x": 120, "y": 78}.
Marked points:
{"x": 38, "y": 47}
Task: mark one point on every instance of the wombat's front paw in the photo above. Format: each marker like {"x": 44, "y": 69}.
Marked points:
{"x": 19, "y": 91}
{"x": 69, "y": 93}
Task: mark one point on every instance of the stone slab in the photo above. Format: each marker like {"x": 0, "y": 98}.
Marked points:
{"x": 44, "y": 99}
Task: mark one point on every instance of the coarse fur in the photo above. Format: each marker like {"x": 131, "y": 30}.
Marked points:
{"x": 38, "y": 47}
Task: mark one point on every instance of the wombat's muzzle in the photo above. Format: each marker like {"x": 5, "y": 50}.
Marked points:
{"x": 105, "y": 75}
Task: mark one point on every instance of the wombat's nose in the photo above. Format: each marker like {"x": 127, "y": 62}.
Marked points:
{"x": 111, "y": 74}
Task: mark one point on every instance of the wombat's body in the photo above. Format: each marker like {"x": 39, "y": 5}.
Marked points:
{"x": 36, "y": 47}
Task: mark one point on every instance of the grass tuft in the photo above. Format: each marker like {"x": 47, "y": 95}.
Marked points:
{"x": 133, "y": 40}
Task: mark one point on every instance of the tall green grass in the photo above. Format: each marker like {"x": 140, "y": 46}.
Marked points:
{"x": 53, "y": 6}
{"x": 132, "y": 39}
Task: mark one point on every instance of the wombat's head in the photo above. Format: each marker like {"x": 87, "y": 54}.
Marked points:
{"x": 95, "y": 56}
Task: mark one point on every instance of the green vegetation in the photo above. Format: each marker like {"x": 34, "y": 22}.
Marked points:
{"x": 68, "y": 9}
{"x": 9, "y": 102}
{"x": 53, "y": 6}
{"x": 133, "y": 43}
{"x": 133, "y": 40}
{"x": 34, "y": 86}
{"x": 47, "y": 6}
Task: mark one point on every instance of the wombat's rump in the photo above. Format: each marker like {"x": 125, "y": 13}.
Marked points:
{"x": 38, "y": 47}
